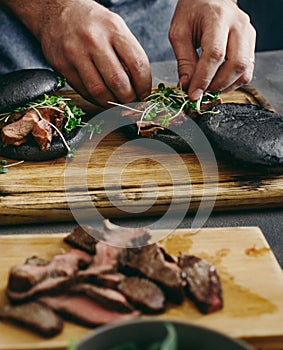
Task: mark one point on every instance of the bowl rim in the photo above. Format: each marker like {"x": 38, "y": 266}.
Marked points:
{"x": 108, "y": 327}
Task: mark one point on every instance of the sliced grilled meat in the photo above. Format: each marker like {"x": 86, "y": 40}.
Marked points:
{"x": 84, "y": 237}
{"x": 203, "y": 284}
{"x": 34, "y": 316}
{"x": 84, "y": 310}
{"x": 143, "y": 293}
{"x": 150, "y": 262}
{"x": 28, "y": 280}
{"x": 106, "y": 297}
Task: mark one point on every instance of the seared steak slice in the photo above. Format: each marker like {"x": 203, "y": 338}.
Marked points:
{"x": 35, "y": 260}
{"x": 47, "y": 286}
{"x": 86, "y": 237}
{"x": 109, "y": 280}
{"x": 203, "y": 284}
{"x": 83, "y": 237}
{"x": 42, "y": 133}
{"x": 84, "y": 310}
{"x": 106, "y": 297}
{"x": 150, "y": 262}
{"x": 15, "y": 133}
{"x": 29, "y": 279}
{"x": 125, "y": 236}
{"x": 143, "y": 293}
{"x": 104, "y": 261}
{"x": 34, "y": 316}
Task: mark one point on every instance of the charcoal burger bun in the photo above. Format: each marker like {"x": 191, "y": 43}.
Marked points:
{"x": 26, "y": 85}
{"x": 21, "y": 87}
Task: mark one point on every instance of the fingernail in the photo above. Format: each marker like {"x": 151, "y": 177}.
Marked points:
{"x": 196, "y": 94}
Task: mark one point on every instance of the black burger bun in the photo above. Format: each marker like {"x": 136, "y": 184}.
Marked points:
{"x": 177, "y": 138}
{"x": 21, "y": 87}
{"x": 247, "y": 133}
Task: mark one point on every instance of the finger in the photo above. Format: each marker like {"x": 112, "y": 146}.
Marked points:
{"x": 185, "y": 52}
{"x": 114, "y": 74}
{"x": 213, "y": 45}
{"x": 242, "y": 80}
{"x": 234, "y": 73}
{"x": 137, "y": 67}
{"x": 87, "y": 81}
{"x": 239, "y": 64}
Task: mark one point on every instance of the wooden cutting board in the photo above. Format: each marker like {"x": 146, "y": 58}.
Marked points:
{"x": 34, "y": 192}
{"x": 251, "y": 277}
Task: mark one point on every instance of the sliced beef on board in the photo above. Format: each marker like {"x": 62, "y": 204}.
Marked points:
{"x": 31, "y": 278}
{"x": 84, "y": 310}
{"x": 35, "y": 316}
{"x": 104, "y": 261}
{"x": 143, "y": 294}
{"x": 149, "y": 261}
{"x": 126, "y": 237}
{"x": 106, "y": 297}
{"x": 203, "y": 284}
{"x": 86, "y": 237}
{"x": 109, "y": 280}
{"x": 83, "y": 237}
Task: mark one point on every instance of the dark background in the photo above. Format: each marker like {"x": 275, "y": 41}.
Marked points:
{"x": 267, "y": 18}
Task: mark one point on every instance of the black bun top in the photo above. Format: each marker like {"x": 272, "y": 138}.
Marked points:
{"x": 20, "y": 87}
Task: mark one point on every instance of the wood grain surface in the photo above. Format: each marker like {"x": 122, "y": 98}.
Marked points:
{"x": 35, "y": 192}
{"x": 251, "y": 277}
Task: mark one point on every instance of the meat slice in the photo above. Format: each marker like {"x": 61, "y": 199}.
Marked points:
{"x": 106, "y": 297}
{"x": 84, "y": 310}
{"x": 15, "y": 133}
{"x": 109, "y": 280}
{"x": 203, "y": 284}
{"x": 143, "y": 293}
{"x": 29, "y": 279}
{"x": 86, "y": 237}
{"x": 34, "y": 316}
{"x": 151, "y": 263}
{"x": 125, "y": 237}
{"x": 42, "y": 133}
{"x": 104, "y": 261}
{"x": 83, "y": 237}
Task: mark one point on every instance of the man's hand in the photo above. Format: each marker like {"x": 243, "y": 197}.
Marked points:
{"x": 90, "y": 46}
{"x": 227, "y": 41}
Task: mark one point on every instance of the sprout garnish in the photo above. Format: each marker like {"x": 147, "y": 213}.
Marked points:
{"x": 170, "y": 102}
{"x": 72, "y": 115}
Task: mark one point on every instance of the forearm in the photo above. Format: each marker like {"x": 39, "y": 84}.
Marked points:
{"x": 35, "y": 14}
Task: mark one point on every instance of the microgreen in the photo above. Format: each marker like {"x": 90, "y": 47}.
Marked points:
{"x": 166, "y": 103}
{"x": 4, "y": 165}
{"x": 72, "y": 116}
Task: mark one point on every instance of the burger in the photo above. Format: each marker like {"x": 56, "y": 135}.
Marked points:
{"x": 243, "y": 134}
{"x": 35, "y": 123}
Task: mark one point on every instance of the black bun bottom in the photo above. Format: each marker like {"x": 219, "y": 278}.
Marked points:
{"x": 244, "y": 135}
{"x": 178, "y": 141}
{"x": 31, "y": 152}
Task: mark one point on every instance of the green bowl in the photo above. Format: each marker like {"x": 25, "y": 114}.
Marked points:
{"x": 144, "y": 333}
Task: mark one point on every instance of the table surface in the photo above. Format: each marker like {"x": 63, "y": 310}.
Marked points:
{"x": 268, "y": 80}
